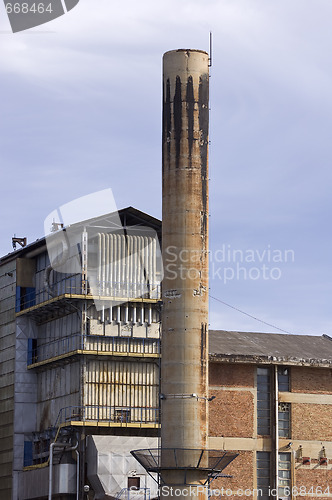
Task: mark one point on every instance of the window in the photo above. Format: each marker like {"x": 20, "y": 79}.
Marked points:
{"x": 283, "y": 379}
{"x": 121, "y": 415}
{"x": 134, "y": 483}
{"x": 263, "y": 474}
{"x": 28, "y": 453}
{"x": 284, "y": 479}
{"x": 263, "y": 401}
{"x": 32, "y": 351}
{"x": 284, "y": 419}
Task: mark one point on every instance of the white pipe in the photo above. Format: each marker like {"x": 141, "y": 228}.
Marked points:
{"x": 103, "y": 255}
{"x": 154, "y": 267}
{"x": 126, "y": 314}
{"x": 142, "y": 315}
{"x": 107, "y": 265}
{"x": 146, "y": 269}
{"x": 118, "y": 314}
{"x": 99, "y": 263}
{"x": 150, "y": 315}
{"x": 115, "y": 264}
{"x": 77, "y": 473}
{"x": 151, "y": 255}
{"x": 111, "y": 236}
{"x": 139, "y": 267}
{"x": 118, "y": 263}
{"x": 135, "y": 270}
{"x": 127, "y": 241}
{"x": 130, "y": 264}
{"x": 50, "y": 472}
{"x": 134, "y": 313}
{"x": 110, "y": 314}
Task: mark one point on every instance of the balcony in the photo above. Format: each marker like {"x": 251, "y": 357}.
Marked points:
{"x": 97, "y": 345}
{"x": 30, "y": 299}
{"x": 108, "y": 416}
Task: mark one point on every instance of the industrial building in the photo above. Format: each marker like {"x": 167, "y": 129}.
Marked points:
{"x": 273, "y": 405}
{"x": 92, "y": 408}
{"x": 87, "y": 378}
{"x": 79, "y": 366}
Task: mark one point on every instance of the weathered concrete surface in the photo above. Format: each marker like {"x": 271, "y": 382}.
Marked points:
{"x": 185, "y": 254}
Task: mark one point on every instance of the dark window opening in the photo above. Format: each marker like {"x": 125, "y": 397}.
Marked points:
{"x": 134, "y": 483}
{"x": 263, "y": 401}
{"x": 283, "y": 379}
{"x": 263, "y": 462}
{"x": 122, "y": 415}
{"x": 32, "y": 351}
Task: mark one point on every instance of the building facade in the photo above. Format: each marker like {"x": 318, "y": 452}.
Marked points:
{"x": 79, "y": 385}
{"x": 80, "y": 347}
{"x": 273, "y": 405}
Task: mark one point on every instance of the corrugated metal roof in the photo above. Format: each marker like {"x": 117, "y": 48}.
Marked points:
{"x": 271, "y": 347}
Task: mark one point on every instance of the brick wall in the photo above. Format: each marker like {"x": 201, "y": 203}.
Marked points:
{"x": 314, "y": 482}
{"x": 232, "y": 411}
{"x": 311, "y": 422}
{"x": 242, "y": 472}
{"x": 231, "y": 414}
{"x": 231, "y": 375}
{"x": 312, "y": 380}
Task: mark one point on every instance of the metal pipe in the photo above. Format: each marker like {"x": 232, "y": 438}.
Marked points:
{"x": 135, "y": 270}
{"x": 77, "y": 474}
{"x": 150, "y": 315}
{"x": 50, "y": 473}
{"x": 142, "y": 314}
{"x": 99, "y": 264}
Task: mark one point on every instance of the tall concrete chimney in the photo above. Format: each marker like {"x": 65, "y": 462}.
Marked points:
{"x": 184, "y": 463}
{"x": 184, "y": 383}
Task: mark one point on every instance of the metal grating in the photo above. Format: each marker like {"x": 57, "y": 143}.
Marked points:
{"x": 157, "y": 459}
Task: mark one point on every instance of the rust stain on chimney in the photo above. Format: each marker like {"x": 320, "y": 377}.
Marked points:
{"x": 184, "y": 379}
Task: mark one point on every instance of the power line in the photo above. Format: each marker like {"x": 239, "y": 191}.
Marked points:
{"x": 247, "y": 314}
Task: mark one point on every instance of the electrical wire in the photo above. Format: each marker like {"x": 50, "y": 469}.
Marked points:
{"x": 249, "y": 315}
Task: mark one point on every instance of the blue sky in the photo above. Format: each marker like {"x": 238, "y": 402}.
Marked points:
{"x": 81, "y": 112}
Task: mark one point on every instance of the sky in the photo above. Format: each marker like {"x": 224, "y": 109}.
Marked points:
{"x": 81, "y": 111}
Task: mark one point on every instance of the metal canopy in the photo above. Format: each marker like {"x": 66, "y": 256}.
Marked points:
{"x": 210, "y": 462}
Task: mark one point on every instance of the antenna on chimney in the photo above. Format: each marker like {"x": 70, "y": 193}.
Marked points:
{"x": 210, "y": 50}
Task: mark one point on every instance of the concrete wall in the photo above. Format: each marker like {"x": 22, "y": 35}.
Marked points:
{"x": 58, "y": 387}
{"x": 25, "y": 395}
{"x": 7, "y": 363}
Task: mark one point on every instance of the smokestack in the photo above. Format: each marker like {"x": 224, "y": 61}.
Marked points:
{"x": 184, "y": 382}
{"x": 184, "y": 463}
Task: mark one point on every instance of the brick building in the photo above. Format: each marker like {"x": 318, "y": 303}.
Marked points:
{"x": 273, "y": 404}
